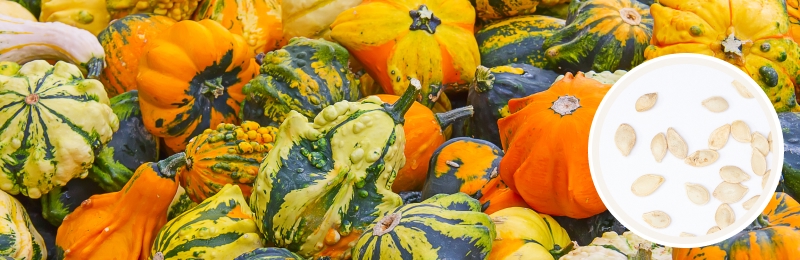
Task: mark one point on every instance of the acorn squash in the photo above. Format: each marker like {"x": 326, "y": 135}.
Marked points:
{"x": 52, "y": 124}
{"x": 90, "y": 15}
{"x": 19, "y": 237}
{"x": 524, "y": 234}
{"x": 257, "y": 21}
{"x": 517, "y": 40}
{"x": 311, "y": 18}
{"x": 269, "y": 253}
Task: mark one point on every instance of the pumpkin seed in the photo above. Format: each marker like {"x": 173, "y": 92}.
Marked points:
{"x": 733, "y": 174}
{"x": 758, "y": 162}
{"x": 741, "y": 131}
{"x": 715, "y": 104}
{"x": 658, "y": 146}
{"x": 625, "y": 138}
{"x": 684, "y": 234}
{"x": 657, "y": 219}
{"x": 676, "y": 144}
{"x": 729, "y": 192}
{"x": 764, "y": 179}
{"x": 724, "y": 216}
{"x": 750, "y": 202}
{"x": 719, "y": 137}
{"x": 760, "y": 143}
{"x": 713, "y": 229}
{"x": 741, "y": 89}
{"x": 646, "y": 102}
{"x": 702, "y": 158}
{"x": 646, "y": 184}
{"x": 697, "y": 193}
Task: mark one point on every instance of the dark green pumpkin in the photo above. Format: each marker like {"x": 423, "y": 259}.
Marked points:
{"x": 130, "y": 146}
{"x": 493, "y": 88}
{"x": 305, "y": 76}
{"x": 61, "y": 201}
{"x": 517, "y": 40}
{"x": 461, "y": 164}
{"x": 269, "y": 253}
{"x": 790, "y": 177}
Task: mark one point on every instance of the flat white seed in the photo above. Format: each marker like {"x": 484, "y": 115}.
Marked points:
{"x": 748, "y": 204}
{"x": 733, "y": 174}
{"x": 684, "y": 234}
{"x": 646, "y": 184}
{"x": 715, "y": 104}
{"x": 713, "y": 229}
{"x": 769, "y": 140}
{"x": 625, "y": 138}
{"x": 658, "y": 146}
{"x": 741, "y": 89}
{"x": 764, "y": 179}
{"x": 657, "y": 219}
{"x": 646, "y": 102}
{"x": 741, "y": 131}
{"x": 760, "y": 143}
{"x": 729, "y": 192}
{"x": 701, "y": 158}
{"x": 719, "y": 137}
{"x": 697, "y": 193}
{"x": 724, "y": 216}
{"x": 758, "y": 162}
{"x": 676, "y": 145}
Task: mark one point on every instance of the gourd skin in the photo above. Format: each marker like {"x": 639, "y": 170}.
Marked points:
{"x": 175, "y": 9}
{"x": 311, "y": 18}
{"x": 90, "y": 15}
{"x": 14, "y": 9}
{"x": 52, "y": 134}
{"x": 461, "y": 164}
{"x": 20, "y": 238}
{"x": 525, "y": 234}
{"x": 269, "y": 253}
{"x": 257, "y": 21}
{"x": 517, "y": 40}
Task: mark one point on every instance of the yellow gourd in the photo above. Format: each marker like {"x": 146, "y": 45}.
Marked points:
{"x": 90, "y": 15}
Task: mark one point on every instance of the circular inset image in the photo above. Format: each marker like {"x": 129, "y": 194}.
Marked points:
{"x": 686, "y": 150}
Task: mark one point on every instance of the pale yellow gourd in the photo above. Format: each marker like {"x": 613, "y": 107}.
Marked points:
{"x": 90, "y": 15}
{"x": 20, "y": 238}
{"x": 14, "y": 9}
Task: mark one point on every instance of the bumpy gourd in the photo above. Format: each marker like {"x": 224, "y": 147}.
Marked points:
{"x": 175, "y": 9}
{"x": 20, "y": 240}
{"x": 221, "y": 227}
{"x": 269, "y": 253}
{"x": 257, "y": 21}
{"x": 441, "y": 227}
{"x": 228, "y": 154}
{"x": 325, "y": 182}
{"x": 517, "y": 40}
{"x": 90, "y": 15}
{"x": 52, "y": 124}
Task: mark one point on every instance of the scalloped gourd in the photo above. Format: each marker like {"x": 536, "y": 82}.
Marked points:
{"x": 19, "y": 237}
{"x": 51, "y": 134}
{"x": 90, "y": 15}
{"x": 257, "y": 21}
{"x": 325, "y": 182}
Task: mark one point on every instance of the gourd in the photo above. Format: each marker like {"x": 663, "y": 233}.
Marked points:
{"x": 40, "y": 104}
{"x": 427, "y": 40}
{"x": 198, "y": 86}
{"x": 601, "y": 35}
{"x": 498, "y": 9}
{"x": 495, "y": 195}
{"x": 792, "y": 9}
{"x": 180, "y": 204}
{"x": 441, "y": 227}
{"x": 257, "y": 21}
{"x": 19, "y": 236}
{"x": 123, "y": 41}
{"x": 625, "y": 246}
{"x": 269, "y": 253}
{"x": 22, "y": 41}
{"x": 524, "y": 234}
{"x": 61, "y": 201}
{"x": 311, "y": 18}
{"x": 762, "y": 48}
{"x": 324, "y": 183}
{"x": 491, "y": 90}
{"x": 16, "y": 10}
{"x": 517, "y": 40}
{"x": 122, "y": 224}
{"x": 227, "y": 154}
{"x": 90, "y": 15}
{"x": 220, "y": 227}
{"x": 790, "y": 181}
{"x": 555, "y": 186}
{"x": 130, "y": 147}
{"x": 33, "y": 6}
{"x": 422, "y": 140}
{"x": 585, "y": 230}
{"x": 773, "y": 235}
{"x": 605, "y": 77}
{"x": 175, "y": 9}
{"x": 305, "y": 76}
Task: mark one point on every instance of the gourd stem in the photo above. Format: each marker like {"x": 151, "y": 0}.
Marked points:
{"x": 484, "y": 79}
{"x": 446, "y": 119}
{"x": 168, "y": 167}
{"x": 401, "y": 106}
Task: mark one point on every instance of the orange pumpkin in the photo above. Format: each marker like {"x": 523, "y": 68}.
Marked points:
{"x": 546, "y": 141}
{"x": 257, "y": 21}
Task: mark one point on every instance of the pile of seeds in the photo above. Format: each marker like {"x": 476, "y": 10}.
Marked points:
{"x": 729, "y": 191}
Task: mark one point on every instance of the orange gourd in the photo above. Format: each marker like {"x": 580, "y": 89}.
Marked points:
{"x": 257, "y": 21}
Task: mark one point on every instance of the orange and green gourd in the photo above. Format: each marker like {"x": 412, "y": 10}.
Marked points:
{"x": 269, "y": 253}
{"x": 227, "y": 154}
{"x": 518, "y": 39}
{"x": 257, "y": 21}
{"x": 325, "y": 182}
{"x": 429, "y": 40}
{"x": 191, "y": 78}
{"x": 90, "y": 15}
{"x": 524, "y": 234}
{"x": 176, "y": 9}
{"x": 754, "y": 36}
{"x": 20, "y": 239}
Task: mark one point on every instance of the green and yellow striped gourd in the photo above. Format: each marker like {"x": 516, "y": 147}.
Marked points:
{"x": 18, "y": 238}
{"x": 517, "y": 40}
{"x": 269, "y": 253}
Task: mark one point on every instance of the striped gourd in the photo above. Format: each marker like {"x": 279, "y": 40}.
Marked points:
{"x": 180, "y": 204}
{"x": 18, "y": 238}
{"x": 324, "y": 183}
{"x": 441, "y": 227}
{"x": 524, "y": 234}
{"x": 269, "y": 253}
{"x": 517, "y": 40}
{"x": 52, "y": 123}
{"x": 219, "y": 228}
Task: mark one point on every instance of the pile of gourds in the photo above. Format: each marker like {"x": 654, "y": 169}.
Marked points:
{"x": 349, "y": 129}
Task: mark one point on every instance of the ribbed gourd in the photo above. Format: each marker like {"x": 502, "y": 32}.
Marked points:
{"x": 19, "y": 237}
{"x": 228, "y": 154}
{"x": 52, "y": 124}
{"x": 306, "y": 76}
{"x": 493, "y": 87}
{"x": 221, "y": 227}
{"x": 269, "y": 253}
{"x": 517, "y": 39}
{"x": 90, "y": 15}
{"x": 325, "y": 182}
{"x": 257, "y": 21}
{"x": 441, "y": 227}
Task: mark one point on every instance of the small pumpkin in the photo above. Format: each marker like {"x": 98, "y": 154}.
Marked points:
{"x": 311, "y": 18}
{"x": 19, "y": 236}
{"x": 257, "y": 21}
{"x": 123, "y": 41}
{"x": 186, "y": 88}
{"x": 269, "y": 253}
{"x": 219, "y": 227}
{"x": 524, "y": 234}
{"x": 61, "y": 201}
{"x": 429, "y": 40}
{"x": 555, "y": 186}
{"x": 14, "y": 9}
{"x": 90, "y": 15}
{"x": 176, "y": 9}
{"x": 518, "y": 39}
{"x": 38, "y": 104}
